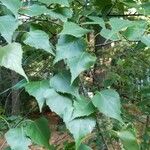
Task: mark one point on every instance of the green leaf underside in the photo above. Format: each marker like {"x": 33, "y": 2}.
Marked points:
{"x": 11, "y": 58}
{"x": 128, "y": 140}
{"x": 62, "y": 83}
{"x": 17, "y": 139}
{"x": 73, "y": 29}
{"x": 39, "y": 39}
{"x": 80, "y": 64}
{"x": 68, "y": 47}
{"x": 8, "y": 25}
{"x": 38, "y": 89}
{"x": 108, "y": 103}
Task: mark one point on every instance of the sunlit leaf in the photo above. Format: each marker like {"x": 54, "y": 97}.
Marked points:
{"x": 11, "y": 58}
{"x": 73, "y": 29}
{"x": 39, "y": 39}
{"x": 108, "y": 103}
{"x": 8, "y": 25}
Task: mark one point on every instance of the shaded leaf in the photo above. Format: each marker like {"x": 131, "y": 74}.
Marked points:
{"x": 11, "y": 58}
{"x": 39, "y": 39}
{"x": 68, "y": 47}
{"x": 79, "y": 64}
{"x": 73, "y": 29}
{"x": 61, "y": 13}
{"x": 8, "y": 25}
{"x": 17, "y": 139}
{"x": 84, "y": 147}
{"x": 62, "y": 83}
{"x": 38, "y": 89}
{"x": 128, "y": 140}
{"x": 12, "y": 5}
{"x": 38, "y": 131}
{"x": 108, "y": 103}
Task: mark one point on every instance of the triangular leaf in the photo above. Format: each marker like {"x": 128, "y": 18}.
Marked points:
{"x": 17, "y": 139}
{"x": 8, "y": 25}
{"x": 61, "y": 13}
{"x": 73, "y": 29}
{"x": 38, "y": 90}
{"x": 136, "y": 31}
{"x": 68, "y": 47}
{"x": 116, "y": 25}
{"x": 12, "y": 5}
{"x": 128, "y": 140}
{"x": 80, "y": 128}
{"x": 62, "y": 83}
{"x": 80, "y": 64}
{"x": 38, "y": 39}
{"x": 108, "y": 103}
{"x": 38, "y": 131}
{"x": 83, "y": 107}
{"x": 60, "y": 104}
{"x": 11, "y": 58}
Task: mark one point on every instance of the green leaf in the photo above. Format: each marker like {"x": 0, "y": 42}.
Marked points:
{"x": 128, "y": 140}
{"x": 135, "y": 32}
{"x": 62, "y": 83}
{"x": 80, "y": 128}
{"x": 68, "y": 47}
{"x": 117, "y": 25}
{"x": 61, "y": 13}
{"x": 38, "y": 131}
{"x": 146, "y": 40}
{"x": 108, "y": 103}
{"x": 83, "y": 107}
{"x": 38, "y": 39}
{"x": 73, "y": 29}
{"x": 61, "y": 2}
{"x": 34, "y": 10}
{"x": 145, "y": 8}
{"x": 17, "y": 139}
{"x": 84, "y": 147}
{"x": 11, "y": 57}
{"x": 8, "y": 25}
{"x": 12, "y": 5}
{"x": 96, "y": 20}
{"x": 80, "y": 63}
{"x": 59, "y": 104}
{"x": 38, "y": 90}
